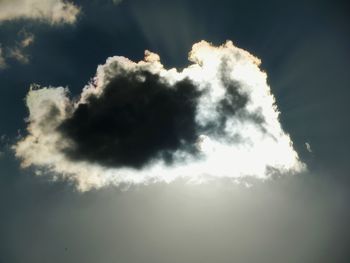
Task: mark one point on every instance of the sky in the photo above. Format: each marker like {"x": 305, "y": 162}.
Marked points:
{"x": 103, "y": 146}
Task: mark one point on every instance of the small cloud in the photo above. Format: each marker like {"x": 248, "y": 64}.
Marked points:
{"x": 17, "y": 52}
{"x": 27, "y": 40}
{"x": 2, "y": 59}
{"x": 308, "y": 147}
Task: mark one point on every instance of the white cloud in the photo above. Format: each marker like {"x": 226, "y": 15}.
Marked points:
{"x": 308, "y": 147}
{"x": 50, "y": 11}
{"x": 261, "y": 149}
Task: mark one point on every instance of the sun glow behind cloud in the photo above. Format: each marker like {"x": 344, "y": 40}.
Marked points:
{"x": 237, "y": 129}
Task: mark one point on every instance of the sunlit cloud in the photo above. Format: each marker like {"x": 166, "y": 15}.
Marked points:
{"x": 137, "y": 123}
{"x": 50, "y": 11}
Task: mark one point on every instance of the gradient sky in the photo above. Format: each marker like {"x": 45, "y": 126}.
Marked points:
{"x": 304, "y": 48}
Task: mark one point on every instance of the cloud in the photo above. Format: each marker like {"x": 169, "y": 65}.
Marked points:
{"x": 51, "y": 11}
{"x": 129, "y": 127}
{"x": 308, "y": 147}
{"x": 17, "y": 52}
{"x": 18, "y": 55}
{"x": 139, "y": 123}
{"x": 27, "y": 40}
{"x": 2, "y": 59}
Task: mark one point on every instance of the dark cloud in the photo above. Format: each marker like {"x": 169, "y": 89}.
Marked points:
{"x": 140, "y": 117}
{"x": 137, "y": 118}
{"x": 206, "y": 120}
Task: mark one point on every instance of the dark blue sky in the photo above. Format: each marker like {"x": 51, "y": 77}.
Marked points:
{"x": 304, "y": 48}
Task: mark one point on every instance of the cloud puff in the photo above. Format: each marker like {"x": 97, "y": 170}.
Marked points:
{"x": 27, "y": 40}
{"x": 139, "y": 123}
{"x": 308, "y": 147}
{"x": 50, "y": 11}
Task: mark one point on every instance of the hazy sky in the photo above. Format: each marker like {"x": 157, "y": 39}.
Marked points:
{"x": 304, "y": 49}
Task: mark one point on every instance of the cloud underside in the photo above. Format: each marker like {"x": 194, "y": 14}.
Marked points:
{"x": 50, "y": 11}
{"x": 140, "y": 123}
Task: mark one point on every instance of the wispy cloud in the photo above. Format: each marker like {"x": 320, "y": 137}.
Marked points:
{"x": 308, "y": 147}
{"x": 17, "y": 52}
